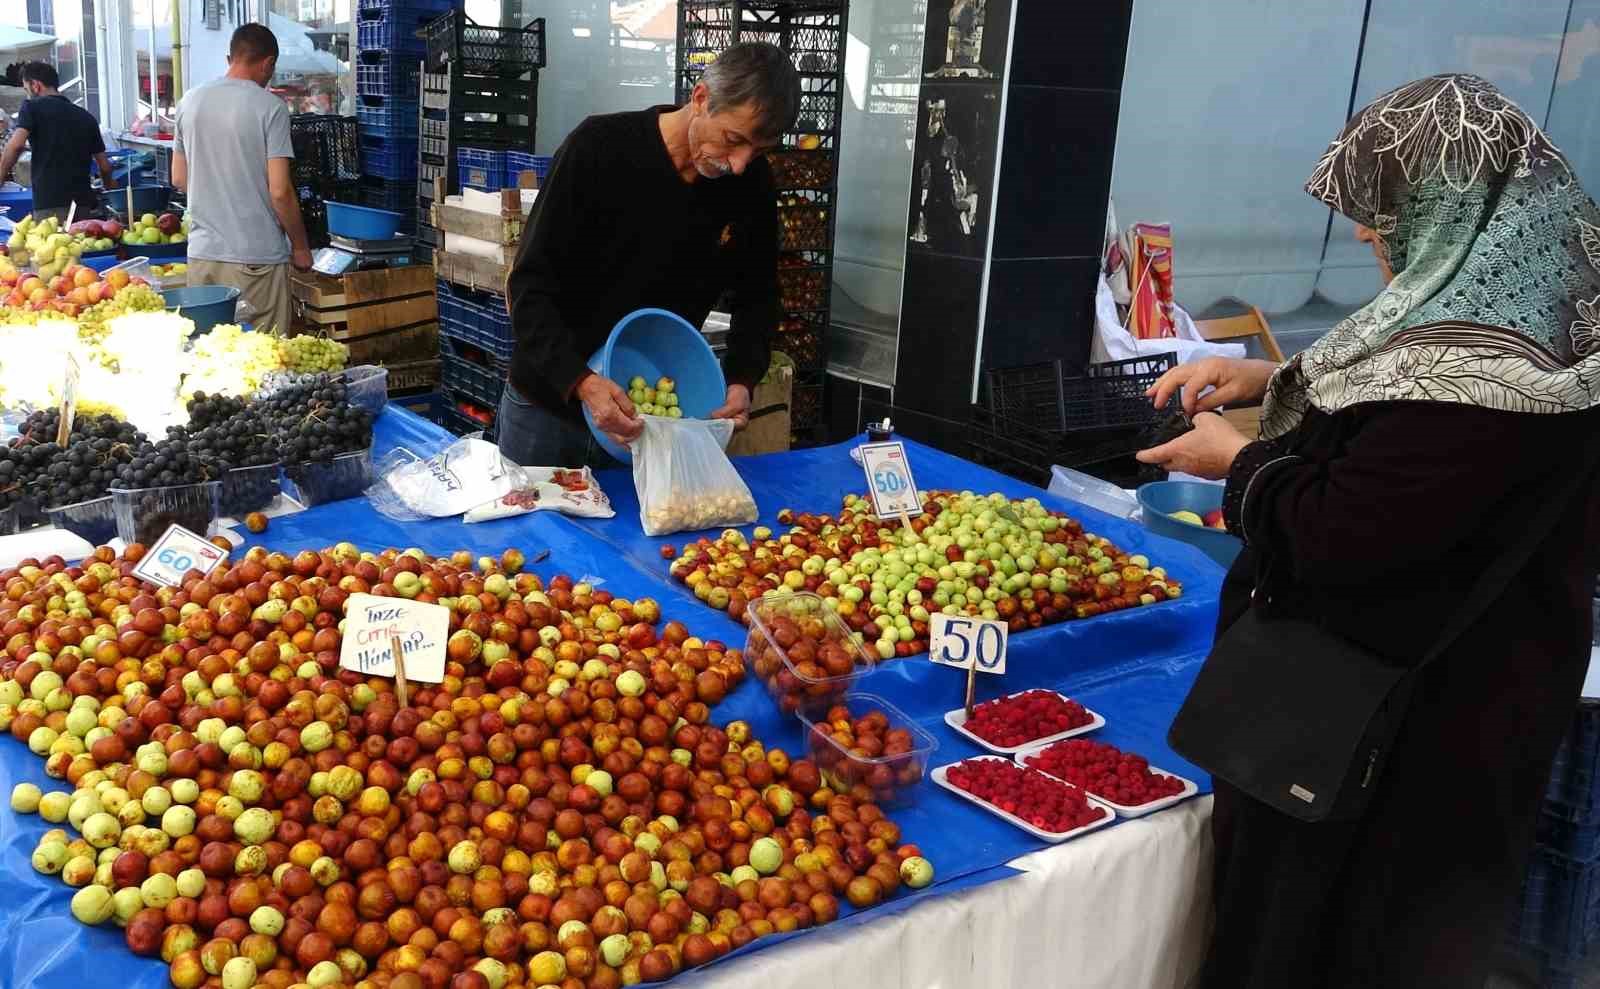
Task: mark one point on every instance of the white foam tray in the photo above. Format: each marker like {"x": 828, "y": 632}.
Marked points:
{"x": 957, "y": 719}
{"x": 941, "y": 777}
{"x": 1189, "y": 787}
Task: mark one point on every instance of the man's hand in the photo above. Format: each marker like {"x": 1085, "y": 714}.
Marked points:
{"x": 1231, "y": 380}
{"x": 737, "y": 407}
{"x": 611, "y": 408}
{"x": 300, "y": 257}
{"x": 1206, "y": 451}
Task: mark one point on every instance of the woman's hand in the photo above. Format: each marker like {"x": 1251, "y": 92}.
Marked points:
{"x": 1206, "y": 451}
{"x": 1232, "y": 381}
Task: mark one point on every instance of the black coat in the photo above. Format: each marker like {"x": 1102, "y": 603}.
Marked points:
{"x": 1379, "y": 531}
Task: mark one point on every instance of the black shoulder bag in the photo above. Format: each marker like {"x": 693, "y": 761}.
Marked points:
{"x": 1303, "y": 719}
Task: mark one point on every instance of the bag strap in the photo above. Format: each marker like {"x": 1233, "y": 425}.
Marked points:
{"x": 1499, "y": 574}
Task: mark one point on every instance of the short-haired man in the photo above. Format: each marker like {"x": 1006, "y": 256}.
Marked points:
{"x": 231, "y": 156}
{"x": 65, "y": 138}
{"x": 665, "y": 208}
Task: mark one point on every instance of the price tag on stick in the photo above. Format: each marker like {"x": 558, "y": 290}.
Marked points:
{"x": 69, "y": 401}
{"x": 397, "y": 652}
{"x": 889, "y": 482}
{"x": 373, "y": 626}
{"x": 976, "y": 645}
{"x": 177, "y": 552}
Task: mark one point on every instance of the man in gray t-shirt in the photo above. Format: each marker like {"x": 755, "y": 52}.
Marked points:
{"x": 231, "y": 157}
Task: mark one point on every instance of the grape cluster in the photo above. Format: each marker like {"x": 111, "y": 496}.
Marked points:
{"x": 209, "y": 410}
{"x": 315, "y": 422}
{"x": 46, "y": 473}
{"x": 171, "y": 461}
{"x": 307, "y": 353}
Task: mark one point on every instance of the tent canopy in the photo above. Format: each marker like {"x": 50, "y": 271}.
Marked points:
{"x": 16, "y": 39}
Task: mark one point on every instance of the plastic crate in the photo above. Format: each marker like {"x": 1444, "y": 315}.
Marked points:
{"x": 386, "y": 117}
{"x": 1103, "y": 396}
{"x": 518, "y": 162}
{"x": 482, "y": 168}
{"x": 478, "y": 318}
{"x": 393, "y": 33}
{"x": 480, "y": 50}
{"x": 326, "y": 148}
{"x": 430, "y": 406}
{"x": 388, "y": 158}
{"x": 380, "y": 73}
{"x": 395, "y": 196}
{"x": 462, "y": 377}
{"x": 461, "y": 424}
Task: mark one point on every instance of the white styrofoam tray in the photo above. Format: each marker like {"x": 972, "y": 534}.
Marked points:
{"x": 957, "y": 719}
{"x": 941, "y": 777}
{"x": 1189, "y": 787}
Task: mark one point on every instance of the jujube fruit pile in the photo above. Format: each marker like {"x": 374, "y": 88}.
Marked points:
{"x": 560, "y": 810}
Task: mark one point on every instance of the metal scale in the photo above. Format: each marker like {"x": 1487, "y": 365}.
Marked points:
{"x": 346, "y": 254}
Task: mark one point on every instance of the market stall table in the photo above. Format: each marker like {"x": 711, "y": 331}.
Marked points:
{"x": 1122, "y": 907}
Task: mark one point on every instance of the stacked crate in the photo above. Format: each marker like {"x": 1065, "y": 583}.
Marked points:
{"x": 480, "y": 92}
{"x": 386, "y": 316}
{"x": 480, "y": 98}
{"x": 326, "y": 166}
{"x": 805, "y": 167}
{"x": 388, "y": 72}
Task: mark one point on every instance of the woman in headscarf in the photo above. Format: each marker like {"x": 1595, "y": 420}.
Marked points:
{"x": 1400, "y": 456}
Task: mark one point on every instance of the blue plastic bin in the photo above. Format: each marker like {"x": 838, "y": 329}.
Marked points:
{"x": 518, "y": 162}
{"x": 1160, "y": 499}
{"x": 18, "y": 201}
{"x": 362, "y": 222}
{"x": 651, "y": 344}
{"x": 207, "y": 305}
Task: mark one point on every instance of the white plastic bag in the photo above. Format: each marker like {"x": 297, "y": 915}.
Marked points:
{"x": 464, "y": 475}
{"x": 1114, "y": 343}
{"x": 685, "y": 480}
{"x": 549, "y": 489}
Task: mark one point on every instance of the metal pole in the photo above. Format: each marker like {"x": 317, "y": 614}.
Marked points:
{"x": 155, "y": 96}
{"x": 177, "y": 51}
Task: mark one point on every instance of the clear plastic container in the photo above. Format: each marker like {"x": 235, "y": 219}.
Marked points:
{"x": 345, "y": 476}
{"x": 1085, "y": 490}
{"x": 367, "y": 386}
{"x": 249, "y": 489}
{"x": 8, "y": 520}
{"x": 143, "y": 514}
{"x": 95, "y": 520}
{"x": 891, "y": 778}
{"x": 794, "y": 673}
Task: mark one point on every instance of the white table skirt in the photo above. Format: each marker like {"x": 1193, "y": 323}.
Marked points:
{"x": 1125, "y": 908}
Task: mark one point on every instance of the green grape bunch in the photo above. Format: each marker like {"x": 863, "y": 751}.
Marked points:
{"x": 310, "y": 354}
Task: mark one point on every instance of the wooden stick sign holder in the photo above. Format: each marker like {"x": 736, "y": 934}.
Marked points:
{"x": 400, "y": 671}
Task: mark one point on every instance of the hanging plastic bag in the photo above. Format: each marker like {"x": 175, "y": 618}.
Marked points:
{"x": 685, "y": 480}
{"x": 549, "y": 489}
{"x": 466, "y": 474}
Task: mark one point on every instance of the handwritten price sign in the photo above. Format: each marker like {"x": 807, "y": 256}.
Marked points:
{"x": 889, "y": 482}
{"x": 177, "y": 552}
{"x": 967, "y": 643}
{"x": 371, "y": 625}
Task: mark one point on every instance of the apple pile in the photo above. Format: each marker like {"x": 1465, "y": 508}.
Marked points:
{"x": 1046, "y": 803}
{"x": 75, "y": 290}
{"x": 1021, "y": 718}
{"x": 963, "y": 555}
{"x": 44, "y": 245}
{"x": 1210, "y": 520}
{"x": 98, "y": 235}
{"x": 1105, "y": 771}
{"x": 662, "y": 400}
{"x": 168, "y": 228}
{"x": 559, "y": 811}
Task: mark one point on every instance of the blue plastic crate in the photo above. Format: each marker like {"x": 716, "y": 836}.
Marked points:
{"x": 481, "y": 169}
{"x": 431, "y": 406}
{"x": 388, "y": 158}
{"x": 461, "y": 424}
{"x": 385, "y": 8}
{"x": 379, "y": 193}
{"x": 480, "y": 384}
{"x": 388, "y": 74}
{"x": 478, "y": 318}
{"x": 473, "y": 354}
{"x": 389, "y": 118}
{"x": 518, "y": 162}
{"x": 389, "y": 35}
{"x": 1560, "y": 909}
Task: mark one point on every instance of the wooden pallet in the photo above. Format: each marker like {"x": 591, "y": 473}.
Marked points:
{"x": 389, "y": 347}
{"x": 364, "y": 302}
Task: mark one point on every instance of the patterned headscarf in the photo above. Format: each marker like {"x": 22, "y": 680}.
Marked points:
{"x": 1496, "y": 253}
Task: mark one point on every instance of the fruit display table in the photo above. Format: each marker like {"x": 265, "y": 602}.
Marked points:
{"x": 1124, "y": 906}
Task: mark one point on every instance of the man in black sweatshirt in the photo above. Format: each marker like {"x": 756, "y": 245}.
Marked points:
{"x": 664, "y": 208}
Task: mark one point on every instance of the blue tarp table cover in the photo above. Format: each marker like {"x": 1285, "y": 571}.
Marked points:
{"x": 1133, "y": 667}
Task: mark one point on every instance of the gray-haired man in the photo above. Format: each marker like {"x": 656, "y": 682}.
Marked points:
{"x": 664, "y": 208}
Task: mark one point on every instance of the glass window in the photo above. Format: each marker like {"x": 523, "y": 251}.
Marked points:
{"x": 313, "y": 54}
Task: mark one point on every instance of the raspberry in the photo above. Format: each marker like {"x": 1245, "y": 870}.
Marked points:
{"x": 1104, "y": 770}
{"x": 1008, "y": 722}
{"x": 1047, "y": 804}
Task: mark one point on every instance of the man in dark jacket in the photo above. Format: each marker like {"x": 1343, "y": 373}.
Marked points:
{"x": 664, "y": 208}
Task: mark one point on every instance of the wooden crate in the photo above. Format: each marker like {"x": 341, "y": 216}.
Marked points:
{"x": 398, "y": 346}
{"x": 471, "y": 272}
{"x": 364, "y": 302}
{"x": 414, "y": 376}
{"x": 504, "y": 229}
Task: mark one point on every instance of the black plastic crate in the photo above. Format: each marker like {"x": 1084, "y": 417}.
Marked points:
{"x": 1101, "y": 396}
{"x": 481, "y": 50}
{"x": 801, "y": 336}
{"x": 461, "y": 424}
{"x": 327, "y": 148}
{"x": 397, "y": 196}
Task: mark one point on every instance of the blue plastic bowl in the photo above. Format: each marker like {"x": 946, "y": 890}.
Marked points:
{"x": 151, "y": 198}
{"x": 207, "y": 305}
{"x": 362, "y": 222}
{"x": 651, "y": 344}
{"x": 1161, "y": 498}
